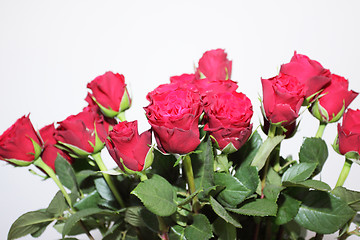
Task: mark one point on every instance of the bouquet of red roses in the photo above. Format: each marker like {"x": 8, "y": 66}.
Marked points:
{"x": 208, "y": 174}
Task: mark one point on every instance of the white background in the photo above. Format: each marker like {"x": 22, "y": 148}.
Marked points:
{"x": 50, "y": 50}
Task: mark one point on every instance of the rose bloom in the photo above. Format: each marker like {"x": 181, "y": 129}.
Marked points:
{"x": 20, "y": 144}
{"x": 283, "y": 96}
{"x": 173, "y": 114}
{"x": 128, "y": 148}
{"x": 82, "y": 134}
{"x": 227, "y": 117}
{"x": 50, "y": 152}
{"x": 204, "y": 86}
{"x": 110, "y": 93}
{"x": 214, "y": 65}
{"x": 335, "y": 98}
{"x": 349, "y": 132}
{"x": 309, "y": 72}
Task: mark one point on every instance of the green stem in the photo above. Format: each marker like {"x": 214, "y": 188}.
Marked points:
{"x": 344, "y": 172}
{"x": 40, "y": 163}
{"x": 102, "y": 167}
{"x": 190, "y": 180}
{"x": 272, "y": 131}
{"x": 321, "y": 129}
{"x": 163, "y": 228}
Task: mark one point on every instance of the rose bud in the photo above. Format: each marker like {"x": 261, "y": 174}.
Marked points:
{"x": 131, "y": 151}
{"x": 309, "y": 72}
{"x": 82, "y": 134}
{"x": 20, "y": 144}
{"x": 348, "y": 140}
{"x": 110, "y": 93}
{"x": 174, "y": 115}
{"x": 50, "y": 152}
{"x": 333, "y": 101}
{"x": 227, "y": 117}
{"x": 214, "y": 65}
{"x": 283, "y": 96}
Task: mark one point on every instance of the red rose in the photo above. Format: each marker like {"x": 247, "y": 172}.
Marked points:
{"x": 82, "y": 134}
{"x": 349, "y": 133}
{"x": 228, "y": 118}
{"x": 335, "y": 98}
{"x": 309, "y": 72}
{"x": 174, "y": 115}
{"x": 128, "y": 148}
{"x": 204, "y": 86}
{"x": 20, "y": 144}
{"x": 110, "y": 93}
{"x": 283, "y": 96}
{"x": 50, "y": 152}
{"x": 214, "y": 65}
{"x": 109, "y": 122}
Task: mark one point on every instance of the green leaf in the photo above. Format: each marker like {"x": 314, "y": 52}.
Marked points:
{"x": 224, "y": 230}
{"x": 259, "y": 207}
{"x": 237, "y": 190}
{"x": 103, "y": 189}
{"x": 29, "y": 223}
{"x": 221, "y": 212}
{"x": 114, "y": 233}
{"x": 150, "y": 220}
{"x": 177, "y": 233}
{"x": 189, "y": 198}
{"x": 163, "y": 165}
{"x": 247, "y": 152}
{"x": 157, "y": 195}
{"x": 265, "y": 150}
{"x": 310, "y": 183}
{"x": 314, "y": 150}
{"x": 199, "y": 229}
{"x": 352, "y": 198}
{"x": 299, "y": 172}
{"x": 203, "y": 166}
{"x": 133, "y": 217}
{"x": 288, "y": 208}
{"x": 76, "y": 217}
{"x": 66, "y": 173}
{"x": 322, "y": 212}
{"x": 57, "y": 205}
{"x": 273, "y": 185}
{"x": 90, "y": 201}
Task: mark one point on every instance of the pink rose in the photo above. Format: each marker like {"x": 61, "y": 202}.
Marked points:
{"x": 335, "y": 98}
{"x": 50, "y": 152}
{"x": 283, "y": 96}
{"x": 82, "y": 134}
{"x": 309, "y": 72}
{"x": 20, "y": 144}
{"x": 110, "y": 93}
{"x": 227, "y": 117}
{"x": 128, "y": 148}
{"x": 349, "y": 132}
{"x": 174, "y": 115}
{"x": 214, "y": 65}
